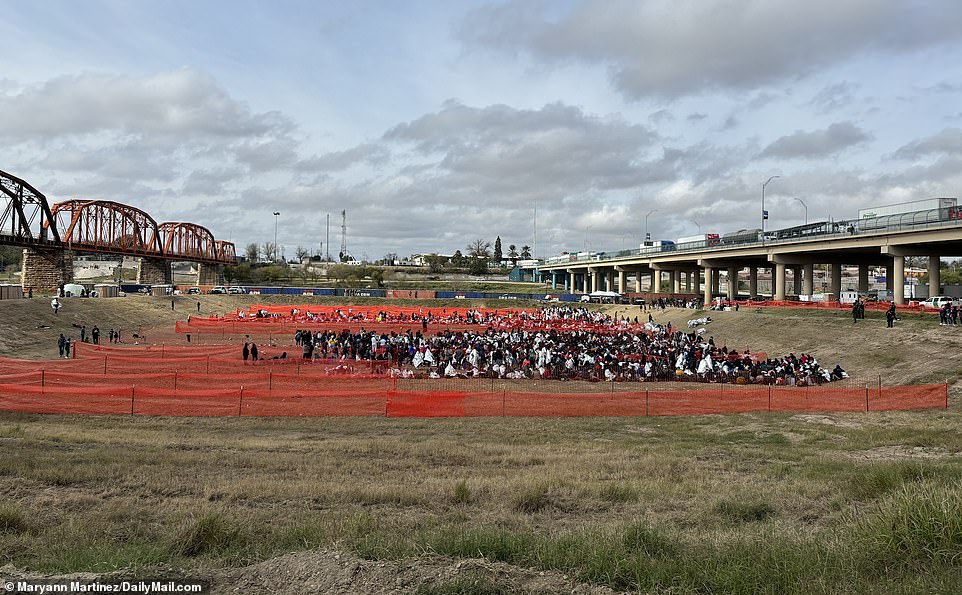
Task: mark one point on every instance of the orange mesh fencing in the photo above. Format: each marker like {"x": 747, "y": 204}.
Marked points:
{"x": 153, "y": 382}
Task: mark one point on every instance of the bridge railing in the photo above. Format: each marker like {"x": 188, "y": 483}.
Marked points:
{"x": 912, "y": 221}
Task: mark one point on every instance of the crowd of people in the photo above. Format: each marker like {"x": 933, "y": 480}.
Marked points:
{"x": 610, "y": 349}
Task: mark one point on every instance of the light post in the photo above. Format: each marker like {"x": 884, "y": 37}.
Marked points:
{"x": 804, "y": 205}
{"x": 648, "y": 235}
{"x": 276, "y": 215}
{"x": 764, "y": 212}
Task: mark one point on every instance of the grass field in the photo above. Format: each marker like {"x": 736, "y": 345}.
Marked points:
{"x": 775, "y": 503}
{"x": 778, "y": 503}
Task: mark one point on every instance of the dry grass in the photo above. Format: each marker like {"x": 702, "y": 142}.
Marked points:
{"x": 772, "y": 503}
{"x": 93, "y": 493}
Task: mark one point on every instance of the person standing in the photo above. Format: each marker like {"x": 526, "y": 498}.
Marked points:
{"x": 95, "y": 335}
{"x": 61, "y": 344}
{"x": 246, "y": 352}
{"x": 66, "y": 352}
{"x": 254, "y": 352}
{"x": 55, "y": 304}
{"x": 890, "y": 316}
{"x": 83, "y": 333}
{"x": 855, "y": 311}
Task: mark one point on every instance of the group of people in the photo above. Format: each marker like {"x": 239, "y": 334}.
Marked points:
{"x": 615, "y": 353}
{"x": 64, "y": 343}
{"x": 949, "y": 315}
{"x": 858, "y": 313}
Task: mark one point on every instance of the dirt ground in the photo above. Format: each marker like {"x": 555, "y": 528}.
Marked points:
{"x": 336, "y": 572}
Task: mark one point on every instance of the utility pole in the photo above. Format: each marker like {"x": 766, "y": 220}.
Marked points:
{"x": 328, "y": 242}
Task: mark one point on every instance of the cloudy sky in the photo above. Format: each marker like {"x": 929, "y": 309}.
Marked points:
{"x": 557, "y": 124}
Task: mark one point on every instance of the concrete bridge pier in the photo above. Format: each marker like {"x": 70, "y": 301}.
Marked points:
{"x": 732, "y": 283}
{"x": 863, "y": 278}
{"x": 935, "y": 285}
{"x": 898, "y": 278}
{"x": 46, "y": 270}
{"x": 808, "y": 281}
{"x": 154, "y": 271}
{"x": 709, "y": 275}
{"x": 696, "y": 281}
{"x": 210, "y": 274}
{"x": 752, "y": 281}
{"x": 621, "y": 281}
{"x": 836, "y": 281}
{"x": 779, "y": 281}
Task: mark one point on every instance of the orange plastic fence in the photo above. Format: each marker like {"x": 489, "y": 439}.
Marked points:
{"x": 149, "y": 384}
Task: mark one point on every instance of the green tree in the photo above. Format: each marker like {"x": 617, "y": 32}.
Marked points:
{"x": 480, "y": 253}
{"x": 513, "y": 254}
{"x": 498, "y": 256}
{"x": 525, "y": 252}
{"x": 435, "y": 262}
{"x": 252, "y": 252}
{"x": 458, "y": 260}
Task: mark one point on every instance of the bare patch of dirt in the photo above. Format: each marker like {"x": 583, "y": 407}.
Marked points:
{"x": 338, "y": 573}
{"x": 901, "y": 452}
{"x": 826, "y": 420}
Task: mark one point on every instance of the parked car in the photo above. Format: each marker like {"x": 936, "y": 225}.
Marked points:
{"x": 219, "y": 289}
{"x": 236, "y": 290}
{"x": 193, "y": 291}
{"x": 936, "y": 302}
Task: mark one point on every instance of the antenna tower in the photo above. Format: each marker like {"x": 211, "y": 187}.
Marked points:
{"x": 343, "y": 233}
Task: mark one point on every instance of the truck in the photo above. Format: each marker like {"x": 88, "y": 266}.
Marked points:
{"x": 913, "y": 206}
{"x": 656, "y": 246}
{"x": 706, "y": 239}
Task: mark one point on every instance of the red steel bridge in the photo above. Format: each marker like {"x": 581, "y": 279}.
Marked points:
{"x": 101, "y": 226}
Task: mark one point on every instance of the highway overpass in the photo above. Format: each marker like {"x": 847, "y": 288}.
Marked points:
{"x": 696, "y": 268}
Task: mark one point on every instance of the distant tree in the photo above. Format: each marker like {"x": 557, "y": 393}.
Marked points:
{"x": 301, "y": 253}
{"x": 480, "y": 253}
{"x": 458, "y": 260}
{"x": 389, "y": 259}
{"x": 479, "y": 249}
{"x": 498, "y": 256}
{"x": 435, "y": 262}
{"x": 252, "y": 251}
{"x": 269, "y": 251}
{"x": 240, "y": 273}
{"x": 513, "y": 254}
{"x": 525, "y": 252}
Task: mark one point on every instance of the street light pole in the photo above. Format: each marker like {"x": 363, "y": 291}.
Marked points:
{"x": 648, "y": 235}
{"x": 697, "y": 225}
{"x": 804, "y": 205}
{"x": 276, "y": 215}
{"x": 764, "y": 214}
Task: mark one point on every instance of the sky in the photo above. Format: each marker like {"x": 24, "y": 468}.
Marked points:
{"x": 562, "y": 125}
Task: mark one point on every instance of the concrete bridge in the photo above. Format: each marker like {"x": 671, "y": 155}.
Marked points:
{"x": 696, "y": 268}
{"x": 51, "y": 235}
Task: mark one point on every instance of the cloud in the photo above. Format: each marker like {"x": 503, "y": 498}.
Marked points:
{"x": 817, "y": 143}
{"x": 501, "y": 155}
{"x": 183, "y": 102}
{"x": 367, "y": 153}
{"x": 834, "y": 97}
{"x": 948, "y": 142}
{"x": 672, "y": 48}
